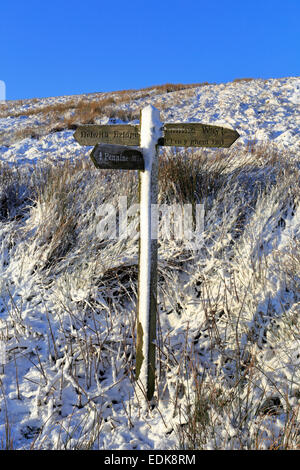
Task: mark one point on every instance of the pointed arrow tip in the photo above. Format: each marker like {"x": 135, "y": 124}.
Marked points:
{"x": 237, "y": 135}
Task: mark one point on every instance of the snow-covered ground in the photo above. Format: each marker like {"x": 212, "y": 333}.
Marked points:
{"x": 229, "y": 317}
{"x": 260, "y": 110}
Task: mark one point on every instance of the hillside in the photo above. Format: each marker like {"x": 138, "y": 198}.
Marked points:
{"x": 228, "y": 333}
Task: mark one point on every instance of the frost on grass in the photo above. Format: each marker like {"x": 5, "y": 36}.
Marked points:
{"x": 228, "y": 341}
{"x": 228, "y": 329}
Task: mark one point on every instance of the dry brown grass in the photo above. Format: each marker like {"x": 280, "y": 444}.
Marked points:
{"x": 87, "y": 109}
{"x": 190, "y": 176}
{"x": 171, "y": 87}
{"x": 239, "y": 80}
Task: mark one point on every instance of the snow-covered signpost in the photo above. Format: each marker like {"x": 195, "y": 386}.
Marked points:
{"x": 116, "y": 148}
{"x": 151, "y": 132}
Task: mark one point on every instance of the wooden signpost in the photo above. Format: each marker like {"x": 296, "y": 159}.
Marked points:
{"x": 136, "y": 148}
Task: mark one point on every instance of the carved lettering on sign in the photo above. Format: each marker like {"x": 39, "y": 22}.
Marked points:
{"x": 197, "y": 135}
{"x": 117, "y": 157}
{"x": 123, "y": 134}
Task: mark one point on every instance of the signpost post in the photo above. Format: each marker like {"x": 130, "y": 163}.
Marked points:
{"x": 147, "y": 283}
{"x": 116, "y": 147}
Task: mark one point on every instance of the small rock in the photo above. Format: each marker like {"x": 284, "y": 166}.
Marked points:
{"x": 271, "y": 406}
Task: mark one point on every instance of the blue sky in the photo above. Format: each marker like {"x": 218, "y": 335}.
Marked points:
{"x": 71, "y": 47}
